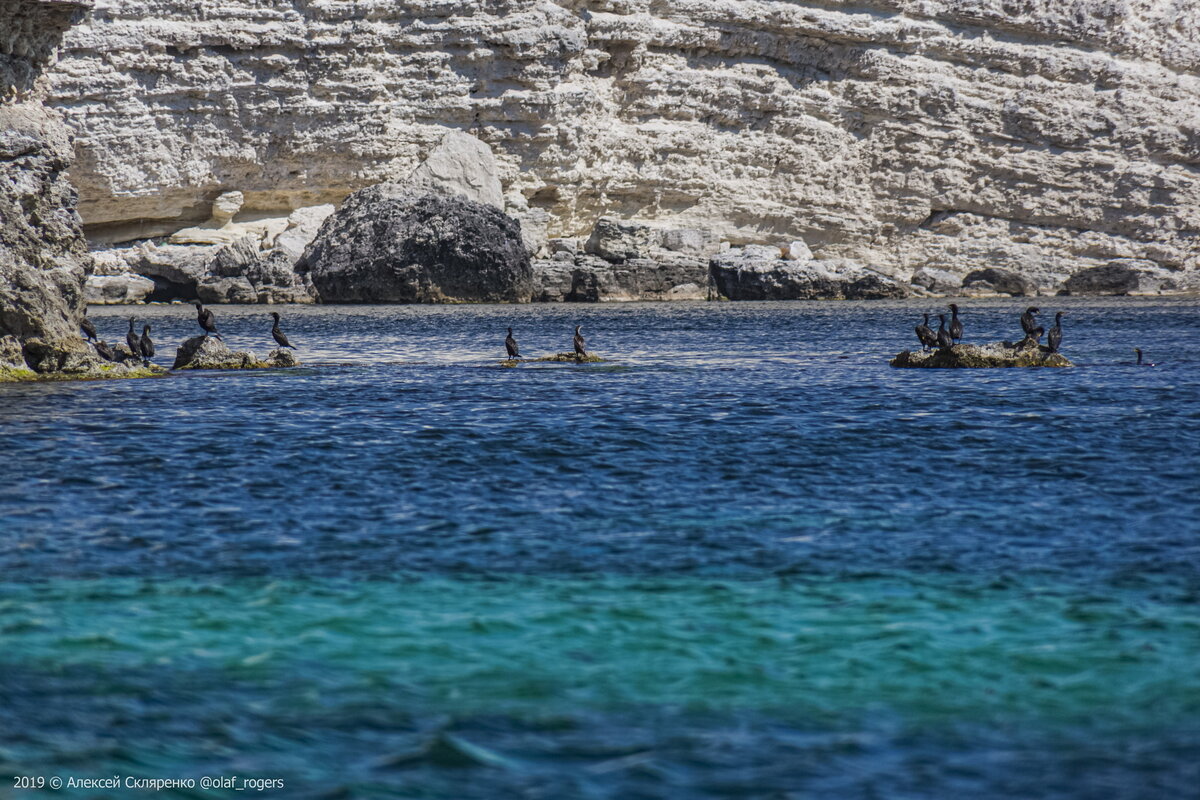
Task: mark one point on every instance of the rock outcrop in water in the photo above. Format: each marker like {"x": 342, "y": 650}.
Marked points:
{"x": 930, "y": 136}
{"x": 390, "y": 244}
{"x": 996, "y": 354}
{"x": 206, "y": 352}
{"x": 43, "y": 254}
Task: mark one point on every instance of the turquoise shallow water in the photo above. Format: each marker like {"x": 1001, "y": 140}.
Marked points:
{"x": 781, "y": 569}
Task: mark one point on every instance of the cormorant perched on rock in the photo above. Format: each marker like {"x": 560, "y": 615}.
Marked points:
{"x": 943, "y": 336}
{"x": 104, "y": 350}
{"x": 510, "y": 344}
{"x": 926, "y": 335}
{"x": 1141, "y": 363}
{"x": 207, "y": 321}
{"x": 1055, "y": 337}
{"x": 278, "y": 335}
{"x": 579, "y": 342}
{"x": 1032, "y": 338}
{"x": 956, "y": 326}
{"x": 89, "y": 330}
{"x": 146, "y": 346}
{"x": 131, "y": 339}
{"x": 1029, "y": 321}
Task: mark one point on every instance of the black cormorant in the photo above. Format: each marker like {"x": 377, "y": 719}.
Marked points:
{"x": 1055, "y": 337}
{"x": 1141, "y": 363}
{"x": 89, "y": 330}
{"x": 207, "y": 321}
{"x": 104, "y": 350}
{"x": 132, "y": 340}
{"x": 943, "y": 336}
{"x": 278, "y": 335}
{"x": 926, "y": 335}
{"x": 579, "y": 342}
{"x": 146, "y": 346}
{"x": 956, "y": 328}
{"x": 510, "y": 344}
{"x": 1028, "y": 321}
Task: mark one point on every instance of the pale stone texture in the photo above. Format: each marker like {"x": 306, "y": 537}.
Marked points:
{"x": 44, "y": 258}
{"x": 463, "y": 165}
{"x": 120, "y": 289}
{"x": 1040, "y": 136}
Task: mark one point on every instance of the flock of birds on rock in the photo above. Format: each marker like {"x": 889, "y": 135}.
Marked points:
{"x": 510, "y": 344}
{"x": 143, "y": 346}
{"x": 946, "y": 337}
{"x": 942, "y": 339}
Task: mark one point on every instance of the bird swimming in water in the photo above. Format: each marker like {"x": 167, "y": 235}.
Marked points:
{"x": 146, "y": 346}
{"x": 207, "y": 321}
{"x": 89, "y": 330}
{"x": 279, "y": 336}
{"x": 579, "y": 342}
{"x": 1055, "y": 337}
{"x": 956, "y": 326}
{"x": 943, "y": 336}
{"x": 131, "y": 339}
{"x": 926, "y": 335}
{"x": 510, "y": 344}
{"x": 1141, "y": 363}
{"x": 105, "y": 351}
{"x": 1029, "y": 321}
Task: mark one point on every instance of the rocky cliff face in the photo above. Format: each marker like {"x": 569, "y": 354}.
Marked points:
{"x": 915, "y": 137}
{"x": 43, "y": 254}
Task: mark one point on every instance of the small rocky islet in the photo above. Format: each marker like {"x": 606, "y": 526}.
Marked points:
{"x": 944, "y": 350}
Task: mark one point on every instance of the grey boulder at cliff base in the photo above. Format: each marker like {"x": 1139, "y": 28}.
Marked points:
{"x": 390, "y": 244}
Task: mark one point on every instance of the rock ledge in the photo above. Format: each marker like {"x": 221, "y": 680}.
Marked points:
{"x": 204, "y": 352}
{"x": 995, "y": 354}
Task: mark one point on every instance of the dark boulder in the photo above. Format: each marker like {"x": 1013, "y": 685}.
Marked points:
{"x": 874, "y": 287}
{"x": 388, "y": 244}
{"x": 1114, "y": 278}
{"x": 758, "y": 273}
{"x": 999, "y": 281}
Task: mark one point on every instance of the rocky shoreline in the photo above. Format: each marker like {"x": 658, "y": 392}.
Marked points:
{"x": 460, "y": 216}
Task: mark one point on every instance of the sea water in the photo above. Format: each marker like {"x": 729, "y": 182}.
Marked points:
{"x": 742, "y": 557}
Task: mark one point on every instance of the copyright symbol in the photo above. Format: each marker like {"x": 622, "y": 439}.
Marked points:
{"x": 56, "y": 782}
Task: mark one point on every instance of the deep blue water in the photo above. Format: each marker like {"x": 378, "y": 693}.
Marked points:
{"x": 742, "y": 558}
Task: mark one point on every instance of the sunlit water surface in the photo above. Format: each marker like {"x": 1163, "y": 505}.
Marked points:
{"x": 742, "y": 558}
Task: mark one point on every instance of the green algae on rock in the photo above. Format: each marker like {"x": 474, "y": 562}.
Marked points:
{"x": 56, "y": 364}
{"x": 205, "y": 352}
{"x": 995, "y": 354}
{"x": 564, "y": 358}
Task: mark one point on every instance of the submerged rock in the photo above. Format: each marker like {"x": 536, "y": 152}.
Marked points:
{"x": 207, "y": 352}
{"x": 563, "y": 358}
{"x": 388, "y": 244}
{"x": 996, "y": 354}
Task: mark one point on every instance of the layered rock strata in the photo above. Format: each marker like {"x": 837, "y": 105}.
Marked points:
{"x": 43, "y": 255}
{"x": 913, "y": 137}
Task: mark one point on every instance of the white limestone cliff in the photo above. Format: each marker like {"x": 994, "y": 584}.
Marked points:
{"x": 927, "y": 137}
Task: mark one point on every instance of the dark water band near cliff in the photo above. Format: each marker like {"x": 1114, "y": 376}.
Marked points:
{"x": 744, "y": 558}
